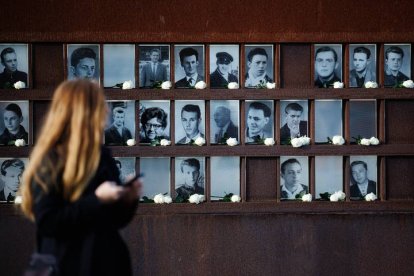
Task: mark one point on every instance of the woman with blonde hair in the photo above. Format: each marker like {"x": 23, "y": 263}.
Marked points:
{"x": 71, "y": 187}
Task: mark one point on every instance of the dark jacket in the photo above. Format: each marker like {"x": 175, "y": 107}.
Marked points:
{"x": 147, "y": 77}
{"x": 7, "y": 137}
{"x": 231, "y": 132}
{"x": 112, "y": 136}
{"x": 218, "y": 81}
{"x": 285, "y": 132}
{"x": 391, "y": 81}
{"x": 8, "y": 79}
{"x": 320, "y": 84}
{"x": 183, "y": 83}
{"x": 353, "y": 78}
{"x": 356, "y": 193}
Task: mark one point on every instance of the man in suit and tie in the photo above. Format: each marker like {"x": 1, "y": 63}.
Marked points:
{"x": 153, "y": 71}
{"x": 360, "y": 184}
{"x": 191, "y": 119}
{"x": 225, "y": 127}
{"x": 294, "y": 126}
{"x": 258, "y": 116}
{"x": 189, "y": 62}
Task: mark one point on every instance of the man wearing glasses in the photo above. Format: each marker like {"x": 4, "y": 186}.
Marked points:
{"x": 154, "y": 122}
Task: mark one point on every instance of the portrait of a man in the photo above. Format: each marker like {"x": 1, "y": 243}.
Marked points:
{"x": 397, "y": 64}
{"x": 226, "y": 59}
{"x": 122, "y": 113}
{"x": 294, "y": 123}
{"x": 14, "y": 65}
{"x": 154, "y": 65}
{"x": 259, "y": 121}
{"x": 191, "y": 122}
{"x": 119, "y": 64}
{"x": 224, "y": 121}
{"x": 11, "y": 171}
{"x": 327, "y": 65}
{"x": 259, "y": 65}
{"x": 362, "y": 64}
{"x": 361, "y": 185}
{"x": 14, "y": 122}
{"x": 190, "y": 69}
{"x": 83, "y": 62}
{"x": 292, "y": 182}
{"x": 190, "y": 179}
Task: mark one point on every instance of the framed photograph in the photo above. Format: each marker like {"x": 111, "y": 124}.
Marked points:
{"x": 156, "y": 172}
{"x": 259, "y": 121}
{"x": 294, "y": 176}
{"x": 225, "y": 176}
{"x": 119, "y": 64}
{"x": 189, "y": 176}
{"x": 363, "y": 176}
{"x": 224, "y": 65}
{"x": 189, "y": 121}
{"x": 328, "y": 175}
{"x": 189, "y": 65}
{"x": 293, "y": 120}
{"x": 362, "y": 64}
{"x": 397, "y": 64}
{"x": 328, "y": 64}
{"x": 121, "y": 123}
{"x": 328, "y": 119}
{"x": 154, "y": 65}
{"x": 14, "y": 122}
{"x": 259, "y": 65}
{"x": 224, "y": 120}
{"x": 126, "y": 166}
{"x": 14, "y": 65}
{"x": 363, "y": 121}
{"x": 10, "y": 177}
{"x": 154, "y": 121}
{"x": 83, "y": 61}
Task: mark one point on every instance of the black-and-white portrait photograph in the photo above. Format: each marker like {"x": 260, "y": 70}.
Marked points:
{"x": 14, "y": 65}
{"x": 225, "y": 176}
{"x": 154, "y": 65}
{"x": 224, "y": 65}
{"x": 259, "y": 121}
{"x": 259, "y": 65}
{"x": 397, "y": 64}
{"x": 156, "y": 172}
{"x": 83, "y": 61}
{"x": 189, "y": 176}
{"x": 363, "y": 176}
{"x": 362, "y": 64}
{"x": 294, "y": 176}
{"x": 119, "y": 64}
{"x": 328, "y": 119}
{"x": 189, "y": 121}
{"x": 11, "y": 171}
{"x": 293, "y": 120}
{"x": 126, "y": 167}
{"x": 224, "y": 121}
{"x": 328, "y": 175}
{"x": 328, "y": 64}
{"x": 189, "y": 65}
{"x": 154, "y": 121}
{"x": 363, "y": 119}
{"x": 14, "y": 122}
{"x": 121, "y": 123}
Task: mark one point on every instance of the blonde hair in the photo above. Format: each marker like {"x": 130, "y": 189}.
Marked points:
{"x": 72, "y": 132}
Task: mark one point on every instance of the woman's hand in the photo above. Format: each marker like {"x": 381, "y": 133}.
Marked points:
{"x": 109, "y": 192}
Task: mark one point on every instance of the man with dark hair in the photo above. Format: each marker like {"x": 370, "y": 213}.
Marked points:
{"x": 83, "y": 63}
{"x": 153, "y": 71}
{"x": 191, "y": 119}
{"x": 291, "y": 172}
{"x": 117, "y": 133}
{"x": 393, "y": 61}
{"x": 258, "y": 116}
{"x": 189, "y": 62}
{"x": 10, "y": 75}
{"x": 326, "y": 62}
{"x": 257, "y": 60}
{"x": 11, "y": 171}
{"x": 154, "y": 122}
{"x": 13, "y": 118}
{"x": 221, "y": 77}
{"x": 294, "y": 126}
{"x": 360, "y": 184}
{"x": 193, "y": 180}
{"x": 361, "y": 73}
{"x": 226, "y": 128}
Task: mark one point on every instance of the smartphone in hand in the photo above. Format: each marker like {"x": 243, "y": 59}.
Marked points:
{"x": 132, "y": 180}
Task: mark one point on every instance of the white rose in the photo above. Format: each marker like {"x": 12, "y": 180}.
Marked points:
{"x": 18, "y": 200}
{"x": 201, "y": 198}
{"x": 296, "y": 142}
{"x": 374, "y": 141}
{"x": 365, "y": 142}
{"x": 231, "y": 141}
{"x": 167, "y": 199}
{"x": 270, "y": 85}
{"x": 127, "y": 85}
{"x": 196, "y": 198}
{"x": 19, "y": 85}
{"x": 307, "y": 198}
{"x": 371, "y": 84}
{"x": 338, "y": 140}
{"x": 159, "y": 199}
{"x": 305, "y": 140}
{"x": 166, "y": 85}
{"x": 233, "y": 85}
{"x": 200, "y": 85}
{"x": 235, "y": 198}
{"x": 200, "y": 141}
{"x": 406, "y": 84}
{"x": 338, "y": 84}
{"x": 341, "y": 195}
{"x": 269, "y": 141}
{"x": 334, "y": 198}
{"x": 165, "y": 142}
{"x": 19, "y": 143}
{"x": 131, "y": 142}
{"x": 370, "y": 197}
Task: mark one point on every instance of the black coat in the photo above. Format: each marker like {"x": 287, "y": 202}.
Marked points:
{"x": 285, "y": 132}
{"x": 356, "y": 193}
{"x": 218, "y": 81}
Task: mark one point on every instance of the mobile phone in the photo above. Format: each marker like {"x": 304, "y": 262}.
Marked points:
{"x": 129, "y": 182}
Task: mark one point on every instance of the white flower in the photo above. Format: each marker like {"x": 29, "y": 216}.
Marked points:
{"x": 408, "y": 84}
{"x": 371, "y": 84}
{"x": 127, "y": 84}
{"x": 166, "y": 85}
{"x": 231, "y": 141}
{"x": 196, "y": 198}
{"x": 200, "y": 85}
{"x": 19, "y": 143}
{"x": 165, "y": 142}
{"x": 340, "y": 195}
{"x": 370, "y": 197}
{"x": 338, "y": 140}
{"x": 365, "y": 142}
{"x": 200, "y": 141}
{"x": 296, "y": 142}
{"x": 307, "y": 198}
{"x": 334, "y": 198}
{"x": 233, "y": 85}
{"x": 269, "y": 141}
{"x": 374, "y": 141}
{"x": 159, "y": 199}
{"x": 235, "y": 198}
{"x": 167, "y": 199}
{"x": 270, "y": 85}
{"x": 338, "y": 84}
{"x": 305, "y": 140}
{"x": 131, "y": 142}
{"x": 19, "y": 85}
{"x": 18, "y": 200}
